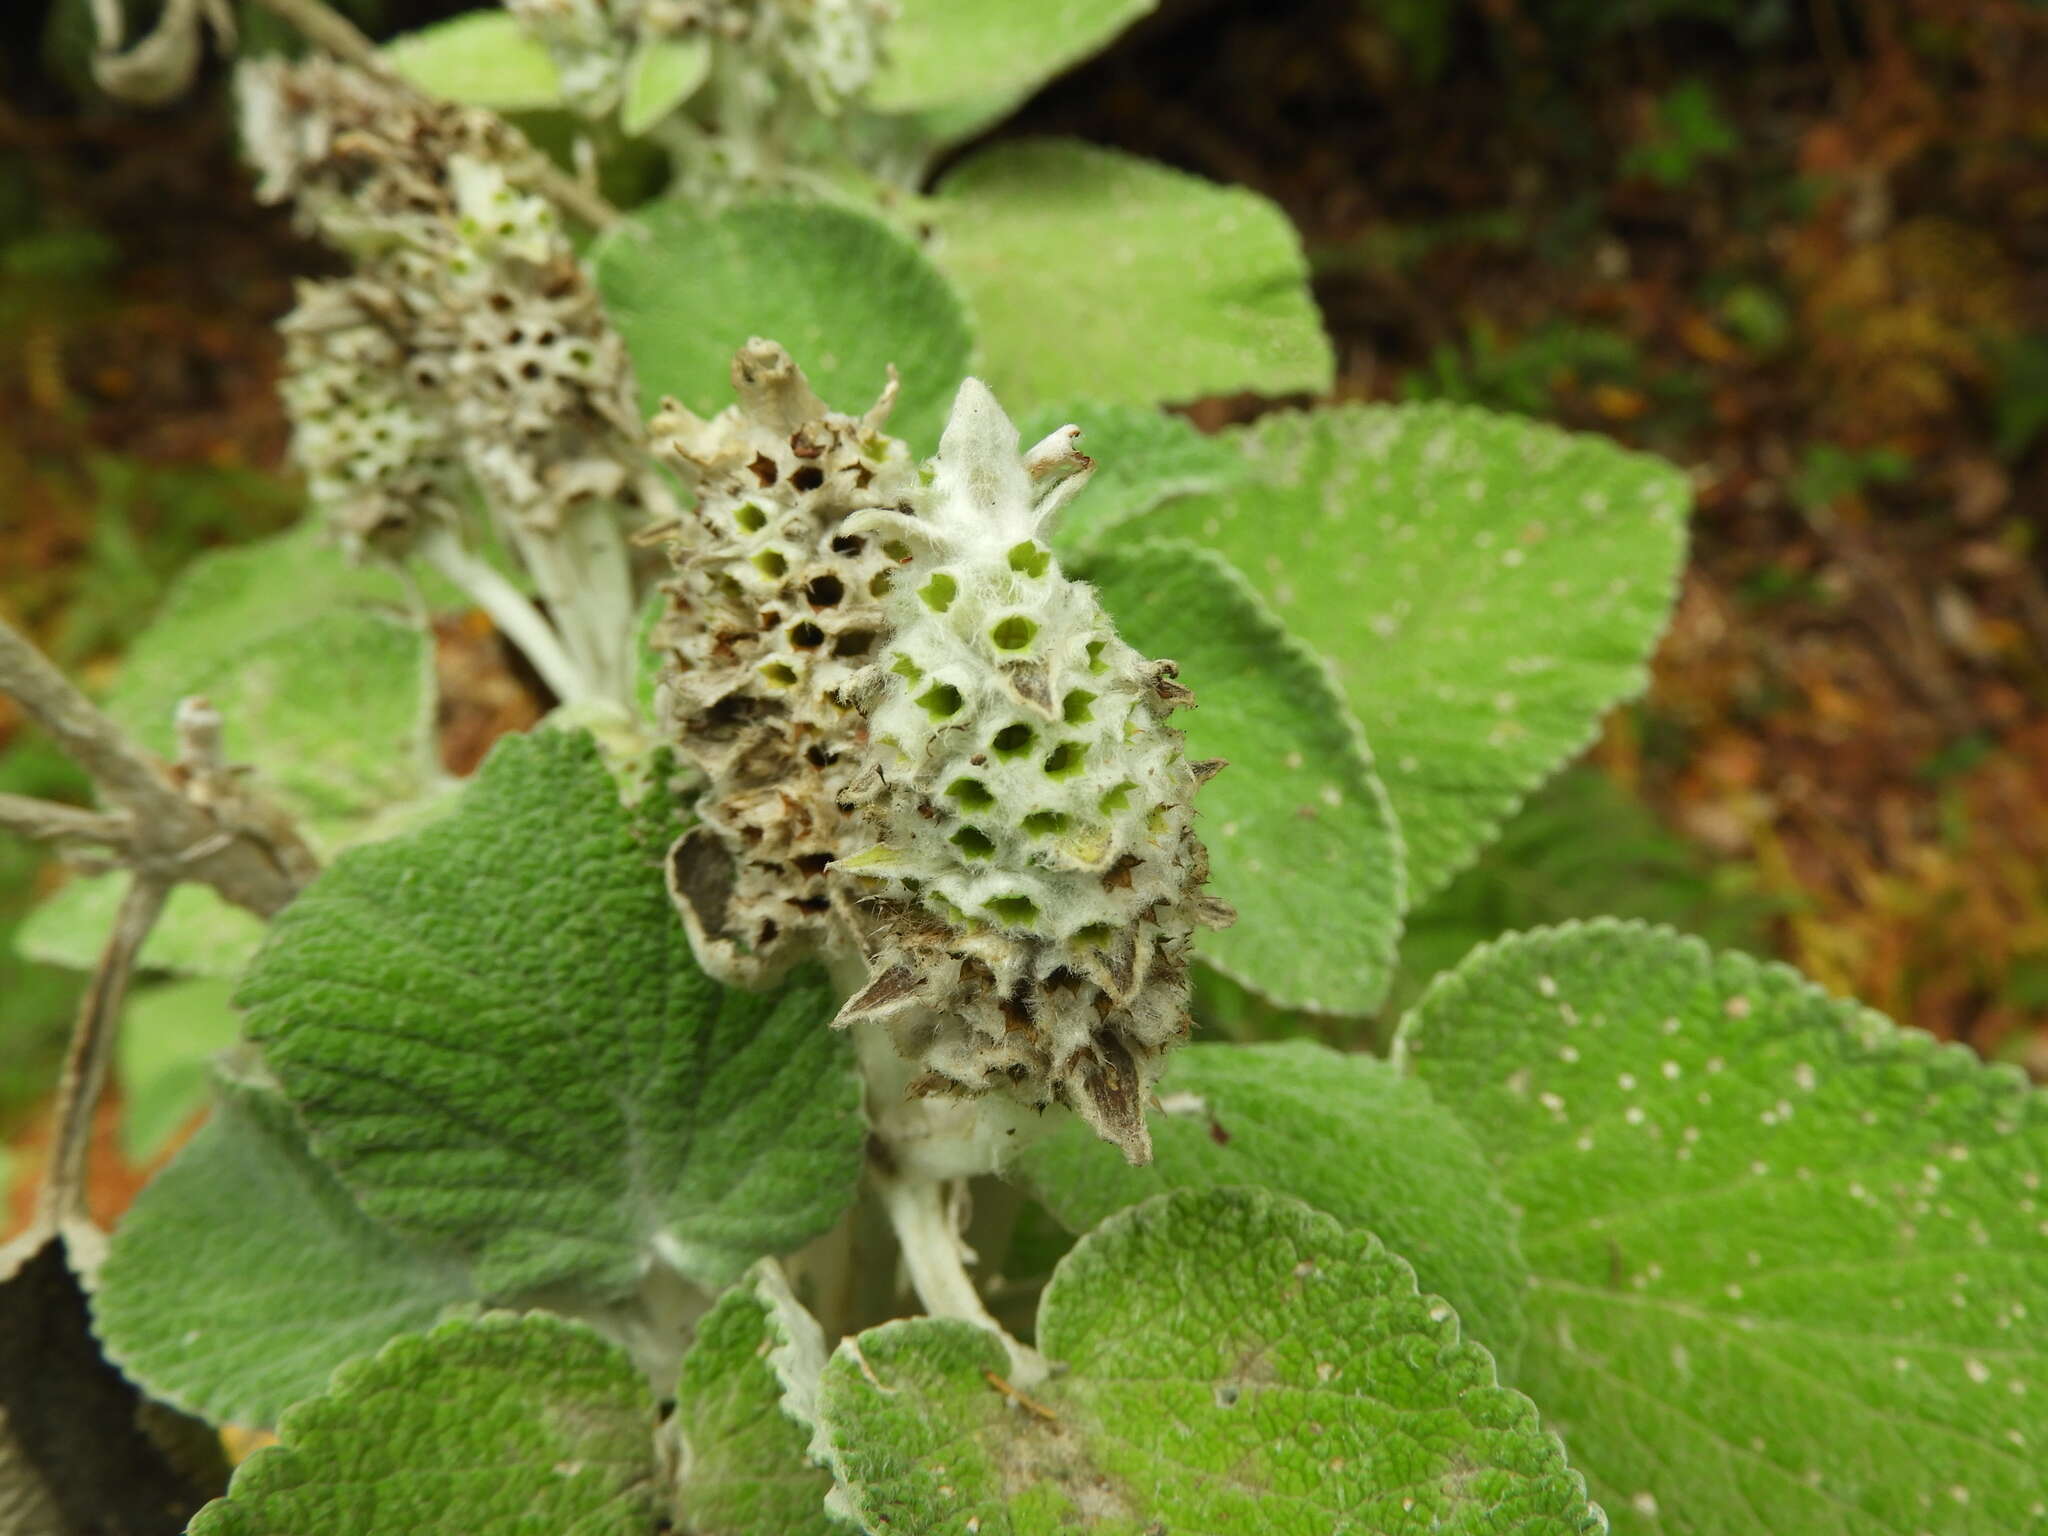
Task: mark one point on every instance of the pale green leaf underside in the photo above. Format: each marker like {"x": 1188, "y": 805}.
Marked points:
{"x": 169, "y": 1035}
{"x": 497, "y": 1035}
{"x": 244, "y": 1273}
{"x": 1235, "y": 1362}
{"x": 484, "y": 59}
{"x": 326, "y": 687}
{"x": 199, "y": 934}
{"x": 663, "y": 74}
{"x": 1791, "y": 1263}
{"x": 1347, "y": 1134}
{"x": 1142, "y": 457}
{"x": 844, "y": 292}
{"x": 1092, "y": 273}
{"x": 1484, "y": 588}
{"x": 1300, "y": 836}
{"x": 746, "y": 1458}
{"x": 948, "y": 52}
{"x": 495, "y": 1426}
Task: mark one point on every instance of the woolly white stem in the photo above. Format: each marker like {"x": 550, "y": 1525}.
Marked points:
{"x": 934, "y": 1256}
{"x": 517, "y": 619}
{"x": 584, "y": 572}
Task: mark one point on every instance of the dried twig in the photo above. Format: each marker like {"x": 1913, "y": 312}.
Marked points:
{"x": 61, "y": 1201}
{"x": 49, "y": 821}
{"x": 169, "y": 836}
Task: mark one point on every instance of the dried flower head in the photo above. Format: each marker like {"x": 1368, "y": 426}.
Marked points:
{"x": 468, "y": 349}
{"x": 1032, "y": 880}
{"x": 774, "y": 609}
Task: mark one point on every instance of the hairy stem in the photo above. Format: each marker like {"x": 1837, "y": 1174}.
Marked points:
{"x": 508, "y": 608}
{"x": 934, "y": 1256}
{"x": 322, "y": 25}
{"x": 62, "y": 1198}
{"x": 582, "y": 569}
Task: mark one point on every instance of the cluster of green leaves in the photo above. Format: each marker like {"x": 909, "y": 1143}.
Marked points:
{"x": 1762, "y": 1260}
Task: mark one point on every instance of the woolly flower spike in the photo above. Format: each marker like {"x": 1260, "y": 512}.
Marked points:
{"x": 468, "y": 346}
{"x": 1032, "y": 880}
{"x": 774, "y": 609}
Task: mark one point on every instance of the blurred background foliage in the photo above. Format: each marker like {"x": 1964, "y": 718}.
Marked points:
{"x": 1799, "y": 246}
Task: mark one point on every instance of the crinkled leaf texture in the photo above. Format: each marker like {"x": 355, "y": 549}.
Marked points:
{"x": 1143, "y": 457}
{"x": 1301, "y": 838}
{"x": 496, "y": 1034}
{"x": 843, "y": 291}
{"x": 1090, "y": 272}
{"x": 1345, "y": 1133}
{"x": 746, "y": 1406}
{"x": 327, "y": 689}
{"x": 1791, "y": 1262}
{"x": 1483, "y": 587}
{"x": 947, "y": 53}
{"x": 500, "y": 1425}
{"x": 244, "y": 1273}
{"x": 1234, "y": 1362}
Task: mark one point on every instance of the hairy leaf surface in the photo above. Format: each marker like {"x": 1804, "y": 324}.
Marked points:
{"x": 843, "y": 291}
{"x": 1791, "y": 1262}
{"x": 1090, "y": 272}
{"x": 1345, "y": 1133}
{"x": 496, "y": 1033}
{"x": 1300, "y": 835}
{"x": 1234, "y": 1362}
{"x": 244, "y": 1273}
{"x": 944, "y": 53}
{"x": 1483, "y": 587}
{"x": 169, "y": 1034}
{"x": 745, "y": 1412}
{"x": 483, "y": 59}
{"x": 494, "y": 1426}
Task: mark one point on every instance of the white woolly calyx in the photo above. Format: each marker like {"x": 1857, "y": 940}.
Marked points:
{"x": 1032, "y": 881}
{"x": 774, "y": 609}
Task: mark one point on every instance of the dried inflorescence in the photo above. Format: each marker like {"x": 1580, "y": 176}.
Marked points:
{"x": 773, "y": 611}
{"x": 928, "y": 753}
{"x": 1032, "y": 881}
{"x": 468, "y": 348}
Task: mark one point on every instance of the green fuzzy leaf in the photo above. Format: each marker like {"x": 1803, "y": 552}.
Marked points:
{"x": 244, "y": 1273}
{"x": 1090, "y": 272}
{"x": 497, "y": 1035}
{"x": 843, "y": 291}
{"x": 326, "y": 687}
{"x": 1484, "y": 588}
{"x": 1234, "y": 1362}
{"x": 1300, "y": 835}
{"x": 1142, "y": 457}
{"x": 199, "y": 934}
{"x": 1347, "y": 1134}
{"x": 663, "y": 74}
{"x": 500, "y": 1425}
{"x": 483, "y": 59}
{"x": 1790, "y": 1262}
{"x": 952, "y": 53}
{"x": 745, "y": 1410}
{"x": 169, "y": 1035}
